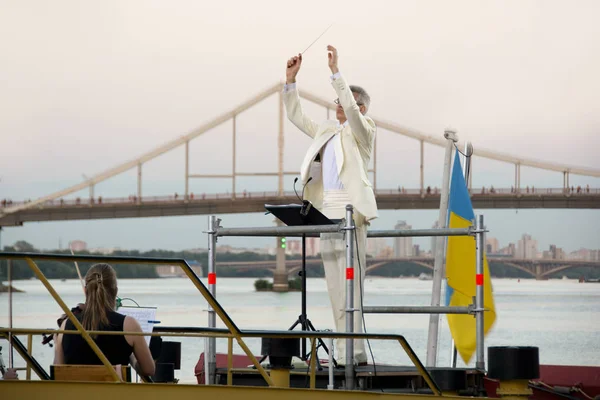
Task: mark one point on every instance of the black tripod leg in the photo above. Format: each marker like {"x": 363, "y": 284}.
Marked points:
{"x": 321, "y": 343}
{"x": 295, "y": 325}
{"x": 303, "y": 317}
{"x": 302, "y": 324}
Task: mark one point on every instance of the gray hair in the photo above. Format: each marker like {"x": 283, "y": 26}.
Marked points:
{"x": 363, "y": 97}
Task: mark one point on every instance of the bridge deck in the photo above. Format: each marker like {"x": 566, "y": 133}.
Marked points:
{"x": 254, "y": 202}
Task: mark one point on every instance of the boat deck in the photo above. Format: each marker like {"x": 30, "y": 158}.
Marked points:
{"x": 388, "y": 378}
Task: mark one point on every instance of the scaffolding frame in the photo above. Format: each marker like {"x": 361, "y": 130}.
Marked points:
{"x": 347, "y": 227}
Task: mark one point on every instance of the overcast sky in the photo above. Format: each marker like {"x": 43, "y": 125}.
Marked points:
{"x": 89, "y": 85}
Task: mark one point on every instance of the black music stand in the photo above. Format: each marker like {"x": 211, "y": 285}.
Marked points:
{"x": 295, "y": 215}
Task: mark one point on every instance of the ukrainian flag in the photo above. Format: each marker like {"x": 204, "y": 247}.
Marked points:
{"x": 460, "y": 269}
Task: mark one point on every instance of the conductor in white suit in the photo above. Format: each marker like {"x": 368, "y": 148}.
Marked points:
{"x": 336, "y": 164}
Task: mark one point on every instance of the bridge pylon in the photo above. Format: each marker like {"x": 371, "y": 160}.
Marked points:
{"x": 539, "y": 272}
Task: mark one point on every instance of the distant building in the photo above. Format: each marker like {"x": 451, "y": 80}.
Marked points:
{"x": 77, "y": 245}
{"x": 387, "y": 252}
{"x": 509, "y": 250}
{"x": 512, "y": 249}
{"x": 416, "y": 251}
{"x": 238, "y": 250}
{"x": 402, "y": 245}
{"x": 491, "y": 245}
{"x": 294, "y": 247}
{"x": 585, "y": 255}
{"x": 376, "y": 246}
{"x": 554, "y": 253}
{"x": 526, "y": 248}
{"x": 175, "y": 271}
{"x": 313, "y": 247}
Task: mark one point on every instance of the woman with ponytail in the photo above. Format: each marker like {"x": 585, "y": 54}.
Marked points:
{"x": 99, "y": 315}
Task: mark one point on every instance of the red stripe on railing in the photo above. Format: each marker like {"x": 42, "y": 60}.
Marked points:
{"x": 349, "y": 273}
{"x": 479, "y": 279}
{"x": 212, "y": 278}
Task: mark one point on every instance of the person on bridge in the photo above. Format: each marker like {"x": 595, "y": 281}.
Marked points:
{"x": 336, "y": 164}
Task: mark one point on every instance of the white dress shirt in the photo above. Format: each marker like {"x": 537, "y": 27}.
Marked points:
{"x": 330, "y": 175}
{"x": 331, "y": 178}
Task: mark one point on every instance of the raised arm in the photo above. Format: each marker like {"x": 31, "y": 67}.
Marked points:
{"x": 291, "y": 99}
{"x": 363, "y": 128}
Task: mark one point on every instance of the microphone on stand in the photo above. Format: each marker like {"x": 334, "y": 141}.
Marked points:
{"x": 303, "y": 187}
{"x": 295, "y": 191}
{"x": 307, "y": 182}
{"x": 306, "y": 205}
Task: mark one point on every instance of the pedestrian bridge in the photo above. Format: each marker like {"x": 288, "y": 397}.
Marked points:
{"x": 251, "y": 202}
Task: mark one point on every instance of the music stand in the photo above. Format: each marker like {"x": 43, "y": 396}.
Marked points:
{"x": 295, "y": 215}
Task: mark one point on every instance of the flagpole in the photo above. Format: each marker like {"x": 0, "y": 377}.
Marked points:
{"x": 468, "y": 152}
{"x": 438, "y": 270}
{"x": 480, "y": 327}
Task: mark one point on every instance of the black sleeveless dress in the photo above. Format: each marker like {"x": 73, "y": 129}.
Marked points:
{"x": 115, "y": 347}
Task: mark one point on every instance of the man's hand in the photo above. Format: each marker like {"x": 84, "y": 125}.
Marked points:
{"x": 293, "y": 66}
{"x": 332, "y": 55}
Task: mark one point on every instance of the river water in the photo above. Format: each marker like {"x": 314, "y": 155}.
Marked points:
{"x": 561, "y": 317}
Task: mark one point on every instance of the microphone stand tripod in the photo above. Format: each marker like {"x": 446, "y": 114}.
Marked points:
{"x": 304, "y": 214}
{"x": 303, "y": 319}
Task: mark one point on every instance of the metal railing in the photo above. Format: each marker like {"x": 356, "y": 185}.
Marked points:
{"x": 231, "y": 332}
{"x": 347, "y": 227}
{"x": 224, "y": 333}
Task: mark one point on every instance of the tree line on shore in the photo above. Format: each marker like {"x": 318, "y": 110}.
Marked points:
{"x": 66, "y": 269}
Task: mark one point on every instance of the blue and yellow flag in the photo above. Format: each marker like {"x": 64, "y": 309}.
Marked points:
{"x": 460, "y": 269}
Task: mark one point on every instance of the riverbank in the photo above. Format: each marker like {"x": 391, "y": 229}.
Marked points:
{"x": 263, "y": 285}
{"x": 5, "y": 289}
{"x": 254, "y": 269}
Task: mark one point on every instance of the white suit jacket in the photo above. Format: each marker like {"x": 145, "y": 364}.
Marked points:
{"x": 353, "y": 153}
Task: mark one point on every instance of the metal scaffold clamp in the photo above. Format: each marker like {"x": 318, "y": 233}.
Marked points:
{"x": 450, "y": 133}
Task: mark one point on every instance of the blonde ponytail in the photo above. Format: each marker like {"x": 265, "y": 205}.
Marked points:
{"x": 101, "y": 294}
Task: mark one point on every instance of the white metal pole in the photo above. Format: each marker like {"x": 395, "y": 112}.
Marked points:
{"x": 187, "y": 170}
{"x": 330, "y": 364}
{"x": 516, "y": 178}
{"x": 212, "y": 287}
{"x": 10, "y": 319}
{"x": 519, "y": 178}
{"x": 350, "y": 232}
{"x": 421, "y": 172}
{"x": 438, "y": 271}
{"x": 233, "y": 158}
{"x": 206, "y": 367}
{"x": 139, "y": 184}
{"x": 480, "y": 238}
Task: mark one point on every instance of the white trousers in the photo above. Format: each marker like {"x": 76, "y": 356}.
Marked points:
{"x": 333, "y": 253}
